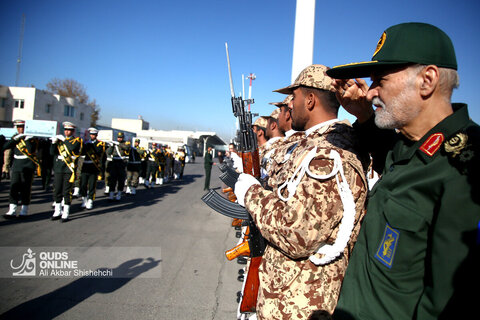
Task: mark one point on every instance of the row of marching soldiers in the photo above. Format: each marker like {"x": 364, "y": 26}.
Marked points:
{"x": 78, "y": 165}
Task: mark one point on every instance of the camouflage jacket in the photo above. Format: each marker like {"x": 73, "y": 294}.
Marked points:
{"x": 291, "y": 286}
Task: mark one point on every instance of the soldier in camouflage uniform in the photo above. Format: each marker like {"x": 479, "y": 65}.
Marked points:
{"x": 260, "y": 129}
{"x": 275, "y": 140}
{"x": 312, "y": 216}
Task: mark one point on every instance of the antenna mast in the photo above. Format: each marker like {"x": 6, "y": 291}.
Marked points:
{"x": 20, "y": 47}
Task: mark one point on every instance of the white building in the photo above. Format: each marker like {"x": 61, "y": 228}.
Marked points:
{"x": 34, "y": 104}
{"x": 196, "y": 140}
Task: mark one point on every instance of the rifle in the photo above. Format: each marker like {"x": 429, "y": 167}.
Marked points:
{"x": 251, "y": 165}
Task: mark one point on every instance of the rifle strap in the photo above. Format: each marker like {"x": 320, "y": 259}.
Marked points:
{"x": 68, "y": 158}
{"x": 93, "y": 156}
{"x": 22, "y": 147}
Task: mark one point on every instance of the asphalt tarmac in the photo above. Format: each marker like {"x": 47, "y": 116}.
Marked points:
{"x": 163, "y": 245}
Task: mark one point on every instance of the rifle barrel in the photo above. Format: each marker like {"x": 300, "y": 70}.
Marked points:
{"x": 229, "y": 72}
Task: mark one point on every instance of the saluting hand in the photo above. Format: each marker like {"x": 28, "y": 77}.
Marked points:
{"x": 352, "y": 95}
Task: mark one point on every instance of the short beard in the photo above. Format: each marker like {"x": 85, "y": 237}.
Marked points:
{"x": 398, "y": 113}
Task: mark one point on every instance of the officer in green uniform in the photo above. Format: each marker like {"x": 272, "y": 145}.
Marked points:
{"x": 92, "y": 155}
{"x": 65, "y": 150}
{"x": 417, "y": 255}
{"x": 207, "y": 164}
{"x": 118, "y": 151}
{"x": 134, "y": 167}
{"x": 23, "y": 168}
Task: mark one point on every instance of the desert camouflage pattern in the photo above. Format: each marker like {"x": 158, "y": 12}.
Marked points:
{"x": 314, "y": 76}
{"x": 275, "y": 114}
{"x": 291, "y": 286}
{"x": 261, "y": 122}
{"x": 285, "y": 102}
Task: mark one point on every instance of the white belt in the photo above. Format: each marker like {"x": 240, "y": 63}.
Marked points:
{"x": 20, "y": 156}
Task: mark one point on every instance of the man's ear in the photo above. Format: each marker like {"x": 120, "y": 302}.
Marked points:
{"x": 430, "y": 77}
{"x": 309, "y": 101}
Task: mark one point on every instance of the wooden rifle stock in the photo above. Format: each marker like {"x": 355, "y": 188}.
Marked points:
{"x": 240, "y": 250}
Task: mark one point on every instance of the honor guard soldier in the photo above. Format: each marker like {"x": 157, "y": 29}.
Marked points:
{"x": 417, "y": 255}
{"x": 143, "y": 164}
{"x": 312, "y": 216}
{"x": 153, "y": 166}
{"x": 179, "y": 164}
{"x": 162, "y": 160}
{"x": 118, "y": 152}
{"x": 169, "y": 164}
{"x": 65, "y": 150}
{"x": 134, "y": 167}
{"x": 92, "y": 155}
{"x": 23, "y": 168}
{"x": 275, "y": 141}
{"x": 260, "y": 129}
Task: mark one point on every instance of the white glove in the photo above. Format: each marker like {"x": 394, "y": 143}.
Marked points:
{"x": 18, "y": 136}
{"x": 244, "y": 182}
{"x": 28, "y": 138}
{"x": 115, "y": 143}
{"x": 54, "y": 139}
{"x": 60, "y": 137}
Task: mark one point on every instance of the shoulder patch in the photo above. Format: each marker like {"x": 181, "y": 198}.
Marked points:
{"x": 432, "y": 144}
{"x": 386, "y": 250}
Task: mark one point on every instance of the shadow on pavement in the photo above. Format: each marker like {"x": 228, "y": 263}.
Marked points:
{"x": 61, "y": 300}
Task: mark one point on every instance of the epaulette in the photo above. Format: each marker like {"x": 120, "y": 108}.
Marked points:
{"x": 463, "y": 149}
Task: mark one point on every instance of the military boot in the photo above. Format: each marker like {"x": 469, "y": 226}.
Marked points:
{"x": 57, "y": 212}
{"x": 12, "y": 211}
{"x": 89, "y": 204}
{"x": 84, "y": 202}
{"x": 24, "y": 211}
{"x": 76, "y": 192}
{"x": 65, "y": 212}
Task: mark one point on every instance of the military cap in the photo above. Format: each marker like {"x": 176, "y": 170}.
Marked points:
{"x": 68, "y": 125}
{"x": 120, "y": 134}
{"x": 18, "y": 123}
{"x": 313, "y": 76}
{"x": 274, "y": 114}
{"x": 404, "y": 44}
{"x": 261, "y": 122}
{"x": 92, "y": 130}
{"x": 137, "y": 140}
{"x": 285, "y": 102}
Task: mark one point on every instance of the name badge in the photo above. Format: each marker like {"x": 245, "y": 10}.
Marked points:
{"x": 386, "y": 251}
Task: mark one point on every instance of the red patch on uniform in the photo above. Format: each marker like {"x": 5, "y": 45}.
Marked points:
{"x": 432, "y": 144}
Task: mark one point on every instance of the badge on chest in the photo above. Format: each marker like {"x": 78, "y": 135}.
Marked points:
{"x": 386, "y": 250}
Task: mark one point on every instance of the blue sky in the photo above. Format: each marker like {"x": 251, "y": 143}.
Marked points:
{"x": 165, "y": 60}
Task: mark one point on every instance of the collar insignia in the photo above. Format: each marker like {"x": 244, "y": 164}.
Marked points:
{"x": 456, "y": 144}
{"x": 432, "y": 144}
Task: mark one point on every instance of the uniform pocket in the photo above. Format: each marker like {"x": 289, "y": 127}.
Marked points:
{"x": 403, "y": 243}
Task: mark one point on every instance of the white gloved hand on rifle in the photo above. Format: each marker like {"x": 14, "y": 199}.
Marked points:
{"x": 244, "y": 182}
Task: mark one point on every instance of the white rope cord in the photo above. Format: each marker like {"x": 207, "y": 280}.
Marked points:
{"x": 334, "y": 250}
